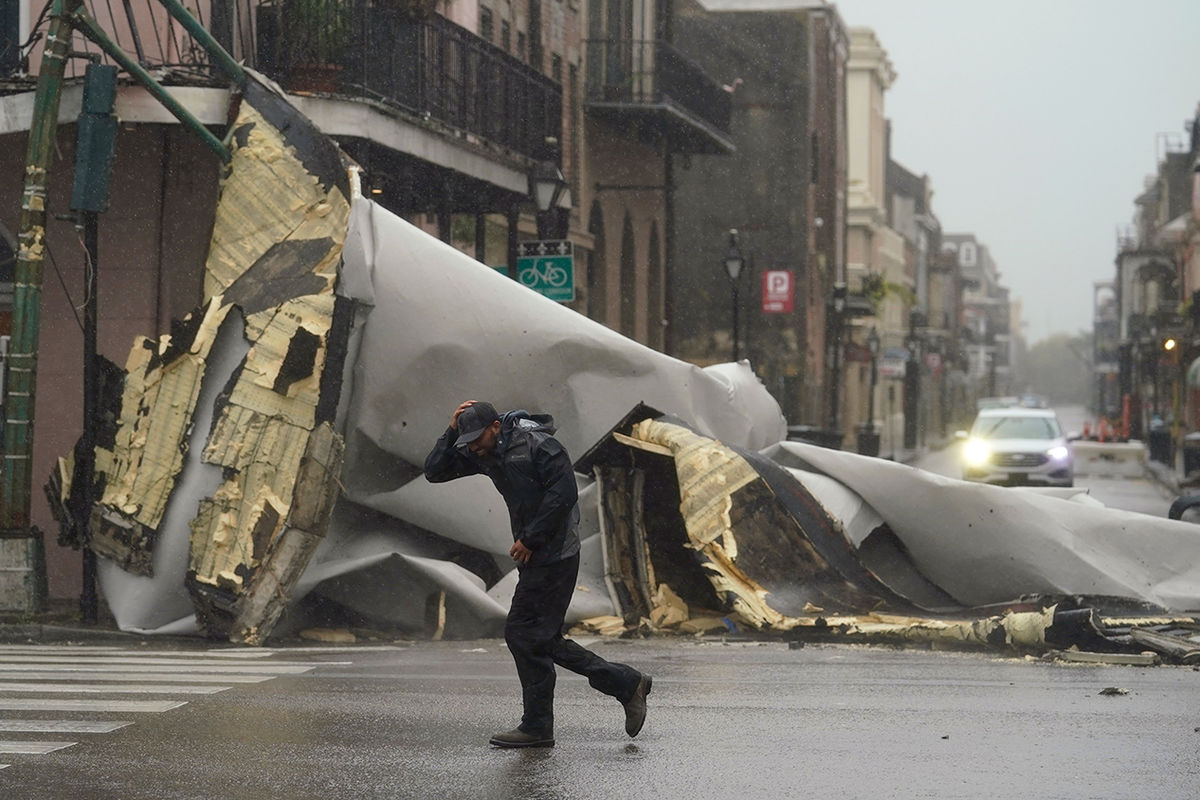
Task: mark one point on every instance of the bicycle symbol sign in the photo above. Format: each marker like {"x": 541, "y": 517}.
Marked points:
{"x": 548, "y": 267}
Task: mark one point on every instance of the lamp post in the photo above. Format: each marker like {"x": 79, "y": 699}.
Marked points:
{"x": 1151, "y": 349}
{"x": 912, "y": 378}
{"x": 891, "y": 420}
{"x": 733, "y": 268}
{"x": 546, "y": 187}
{"x": 873, "y": 346}
{"x": 837, "y": 305}
{"x": 868, "y": 437}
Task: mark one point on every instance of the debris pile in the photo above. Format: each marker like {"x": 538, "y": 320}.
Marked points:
{"x": 263, "y": 465}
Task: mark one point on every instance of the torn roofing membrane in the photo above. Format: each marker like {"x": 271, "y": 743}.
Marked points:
{"x": 282, "y": 221}
{"x": 786, "y": 559}
{"x": 273, "y": 261}
{"x": 268, "y": 453}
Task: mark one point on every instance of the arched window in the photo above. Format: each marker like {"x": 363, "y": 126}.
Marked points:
{"x": 654, "y": 291}
{"x": 597, "y": 294}
{"x": 628, "y": 278}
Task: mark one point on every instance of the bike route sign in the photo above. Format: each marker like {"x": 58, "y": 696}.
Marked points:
{"x": 548, "y": 267}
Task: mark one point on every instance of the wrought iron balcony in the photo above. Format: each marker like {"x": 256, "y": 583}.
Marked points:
{"x": 650, "y": 80}
{"x": 429, "y": 67}
{"x": 388, "y": 53}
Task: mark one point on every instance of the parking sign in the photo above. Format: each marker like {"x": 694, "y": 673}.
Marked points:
{"x": 778, "y": 290}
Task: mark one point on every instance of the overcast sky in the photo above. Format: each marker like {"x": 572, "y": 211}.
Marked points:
{"x": 1037, "y": 121}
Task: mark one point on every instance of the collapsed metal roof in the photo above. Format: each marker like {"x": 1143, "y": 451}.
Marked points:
{"x": 266, "y": 453}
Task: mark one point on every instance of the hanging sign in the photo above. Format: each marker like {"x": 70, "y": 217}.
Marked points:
{"x": 548, "y": 267}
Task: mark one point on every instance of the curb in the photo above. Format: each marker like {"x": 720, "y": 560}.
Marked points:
{"x": 38, "y": 633}
{"x": 1164, "y": 476}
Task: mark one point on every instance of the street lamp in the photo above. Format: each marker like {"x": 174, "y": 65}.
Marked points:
{"x": 868, "y": 437}
{"x": 546, "y": 186}
{"x": 873, "y": 346}
{"x": 733, "y": 268}
{"x": 835, "y": 327}
{"x": 1154, "y": 355}
{"x": 912, "y": 377}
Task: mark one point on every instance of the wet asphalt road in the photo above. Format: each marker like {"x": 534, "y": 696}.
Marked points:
{"x": 1140, "y": 494}
{"x": 737, "y": 720}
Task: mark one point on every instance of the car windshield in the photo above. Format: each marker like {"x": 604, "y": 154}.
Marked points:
{"x": 1016, "y": 428}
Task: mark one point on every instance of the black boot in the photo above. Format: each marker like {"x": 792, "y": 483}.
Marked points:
{"x": 519, "y": 738}
{"x": 635, "y": 707}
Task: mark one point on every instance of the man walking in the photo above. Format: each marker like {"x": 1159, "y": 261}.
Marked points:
{"x": 533, "y": 473}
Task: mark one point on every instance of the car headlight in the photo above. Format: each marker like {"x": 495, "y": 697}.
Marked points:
{"x": 1059, "y": 453}
{"x": 976, "y": 452}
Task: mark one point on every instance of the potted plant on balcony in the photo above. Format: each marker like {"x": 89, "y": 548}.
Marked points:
{"x": 312, "y": 40}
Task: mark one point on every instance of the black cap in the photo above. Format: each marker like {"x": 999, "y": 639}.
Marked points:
{"x": 473, "y": 420}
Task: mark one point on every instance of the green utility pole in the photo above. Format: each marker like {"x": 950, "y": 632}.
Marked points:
{"x": 22, "y": 585}
{"x": 22, "y": 552}
{"x": 95, "y": 147}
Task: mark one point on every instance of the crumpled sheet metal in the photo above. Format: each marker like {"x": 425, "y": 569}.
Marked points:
{"x": 710, "y": 475}
{"x": 724, "y": 522}
{"x": 444, "y": 327}
{"x": 437, "y": 327}
{"x": 769, "y": 548}
{"x": 276, "y": 245}
{"x": 429, "y": 326}
{"x": 986, "y": 544}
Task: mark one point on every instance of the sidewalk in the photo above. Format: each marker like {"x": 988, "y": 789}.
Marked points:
{"x": 61, "y": 622}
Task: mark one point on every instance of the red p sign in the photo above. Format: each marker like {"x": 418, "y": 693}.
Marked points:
{"x": 778, "y": 291}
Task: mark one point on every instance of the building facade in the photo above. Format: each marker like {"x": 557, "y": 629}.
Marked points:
{"x": 782, "y": 191}
{"x": 875, "y": 263}
{"x": 450, "y": 108}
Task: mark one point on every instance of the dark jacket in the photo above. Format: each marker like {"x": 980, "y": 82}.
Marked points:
{"x": 532, "y": 472}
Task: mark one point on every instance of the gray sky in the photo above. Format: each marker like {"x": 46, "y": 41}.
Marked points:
{"x": 1037, "y": 121}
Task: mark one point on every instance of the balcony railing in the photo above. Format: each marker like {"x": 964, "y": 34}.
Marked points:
{"x": 633, "y": 73}
{"x": 430, "y": 68}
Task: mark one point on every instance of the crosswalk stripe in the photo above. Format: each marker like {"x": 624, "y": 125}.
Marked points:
{"x": 60, "y": 725}
{"x": 96, "y": 680}
{"x": 134, "y": 666}
{"x": 233, "y": 653}
{"x": 124, "y": 688}
{"x": 192, "y": 662}
{"x": 33, "y": 748}
{"x": 53, "y": 704}
{"x": 122, "y": 675}
{"x": 86, "y": 650}
{"x": 59, "y": 648}
{"x": 238, "y": 653}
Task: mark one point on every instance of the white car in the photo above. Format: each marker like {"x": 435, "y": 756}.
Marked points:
{"x": 1017, "y": 447}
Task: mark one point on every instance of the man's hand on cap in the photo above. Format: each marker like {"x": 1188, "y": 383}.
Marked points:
{"x": 463, "y": 407}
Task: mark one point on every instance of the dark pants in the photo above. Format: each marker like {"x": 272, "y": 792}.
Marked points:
{"x": 534, "y": 635}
